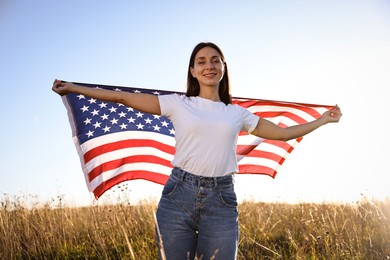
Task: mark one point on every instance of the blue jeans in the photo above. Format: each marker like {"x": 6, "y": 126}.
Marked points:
{"x": 198, "y": 216}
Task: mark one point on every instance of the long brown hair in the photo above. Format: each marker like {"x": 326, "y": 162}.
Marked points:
{"x": 193, "y": 88}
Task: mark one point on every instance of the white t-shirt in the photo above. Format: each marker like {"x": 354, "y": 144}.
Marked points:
{"x": 206, "y": 133}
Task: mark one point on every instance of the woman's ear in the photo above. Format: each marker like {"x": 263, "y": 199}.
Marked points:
{"x": 192, "y": 72}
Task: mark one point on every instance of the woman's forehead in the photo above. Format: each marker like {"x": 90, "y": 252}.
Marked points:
{"x": 207, "y": 52}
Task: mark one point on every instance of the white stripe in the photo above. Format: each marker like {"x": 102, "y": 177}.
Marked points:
{"x": 249, "y": 140}
{"x": 105, "y": 176}
{"x": 298, "y": 112}
{"x": 122, "y": 153}
{"x": 267, "y": 147}
{"x": 282, "y": 119}
{"x": 263, "y": 146}
{"x": 129, "y": 135}
{"x": 271, "y": 148}
{"x": 259, "y": 161}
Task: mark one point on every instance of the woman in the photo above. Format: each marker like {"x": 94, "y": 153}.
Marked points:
{"x": 197, "y": 214}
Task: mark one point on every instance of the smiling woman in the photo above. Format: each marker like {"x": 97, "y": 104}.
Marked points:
{"x": 307, "y": 51}
{"x": 197, "y": 214}
{"x": 208, "y": 67}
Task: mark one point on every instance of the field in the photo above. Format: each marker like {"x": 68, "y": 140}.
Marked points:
{"x": 267, "y": 231}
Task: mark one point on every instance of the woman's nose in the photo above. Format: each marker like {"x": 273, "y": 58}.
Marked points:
{"x": 210, "y": 65}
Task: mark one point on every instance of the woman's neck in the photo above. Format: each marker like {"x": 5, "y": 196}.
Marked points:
{"x": 210, "y": 93}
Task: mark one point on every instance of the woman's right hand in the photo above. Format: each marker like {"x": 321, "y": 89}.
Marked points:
{"x": 62, "y": 88}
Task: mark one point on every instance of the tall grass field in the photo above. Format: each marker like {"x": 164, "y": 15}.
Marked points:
{"x": 267, "y": 231}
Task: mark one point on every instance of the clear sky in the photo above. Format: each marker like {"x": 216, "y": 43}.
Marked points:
{"x": 325, "y": 52}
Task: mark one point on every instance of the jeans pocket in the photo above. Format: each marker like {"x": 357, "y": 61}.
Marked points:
{"x": 169, "y": 187}
{"x": 228, "y": 198}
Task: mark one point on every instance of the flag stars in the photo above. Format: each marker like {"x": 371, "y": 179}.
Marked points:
{"x": 97, "y": 124}
{"x": 103, "y": 105}
{"x": 104, "y": 117}
{"x": 90, "y": 133}
{"x": 122, "y": 114}
{"x": 95, "y": 112}
{"x": 87, "y": 121}
{"x": 112, "y": 109}
{"x": 139, "y": 114}
{"x": 84, "y": 108}
{"x": 92, "y": 101}
{"x": 100, "y": 117}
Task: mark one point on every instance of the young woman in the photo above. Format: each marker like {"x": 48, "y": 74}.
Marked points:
{"x": 197, "y": 214}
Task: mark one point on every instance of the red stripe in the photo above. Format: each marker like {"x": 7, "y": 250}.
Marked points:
{"x": 242, "y": 148}
{"x": 273, "y": 114}
{"x": 280, "y": 144}
{"x": 307, "y": 108}
{"x": 102, "y": 149}
{"x": 256, "y": 169}
{"x": 245, "y": 149}
{"x": 127, "y": 176}
{"x": 127, "y": 160}
{"x": 247, "y": 102}
{"x": 267, "y": 155}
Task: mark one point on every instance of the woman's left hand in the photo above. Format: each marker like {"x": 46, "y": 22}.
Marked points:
{"x": 332, "y": 116}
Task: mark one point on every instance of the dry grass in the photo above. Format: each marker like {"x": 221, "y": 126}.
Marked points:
{"x": 315, "y": 231}
{"x": 267, "y": 231}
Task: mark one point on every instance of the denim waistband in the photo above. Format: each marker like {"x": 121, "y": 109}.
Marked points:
{"x": 196, "y": 180}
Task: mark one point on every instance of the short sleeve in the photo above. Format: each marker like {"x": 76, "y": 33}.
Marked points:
{"x": 250, "y": 121}
{"x": 168, "y": 103}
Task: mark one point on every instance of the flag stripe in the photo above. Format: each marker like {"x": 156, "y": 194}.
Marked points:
{"x": 116, "y": 143}
{"x": 120, "y": 136}
{"x": 113, "y": 164}
{"x": 128, "y": 168}
{"x": 256, "y": 169}
{"x": 104, "y": 149}
{"x": 130, "y": 175}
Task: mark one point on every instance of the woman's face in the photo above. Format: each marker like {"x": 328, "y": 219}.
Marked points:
{"x": 208, "y": 67}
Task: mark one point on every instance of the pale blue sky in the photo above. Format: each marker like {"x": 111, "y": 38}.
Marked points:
{"x": 323, "y": 52}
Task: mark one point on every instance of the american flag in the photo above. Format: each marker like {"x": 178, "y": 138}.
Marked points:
{"x": 116, "y": 143}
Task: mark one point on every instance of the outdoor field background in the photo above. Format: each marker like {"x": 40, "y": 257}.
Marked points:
{"x": 330, "y": 199}
{"x": 324, "y": 52}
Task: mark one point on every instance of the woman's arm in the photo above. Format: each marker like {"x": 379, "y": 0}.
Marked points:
{"x": 268, "y": 130}
{"x": 142, "y": 102}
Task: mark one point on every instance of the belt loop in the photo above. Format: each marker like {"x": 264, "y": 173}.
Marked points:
{"x": 183, "y": 174}
{"x": 215, "y": 182}
{"x": 180, "y": 172}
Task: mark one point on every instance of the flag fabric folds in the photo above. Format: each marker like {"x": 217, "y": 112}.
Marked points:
{"x": 116, "y": 143}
